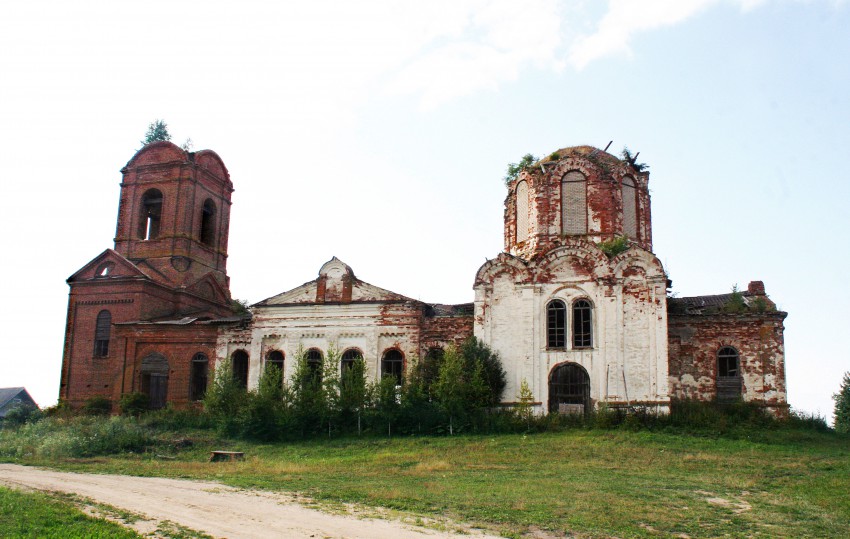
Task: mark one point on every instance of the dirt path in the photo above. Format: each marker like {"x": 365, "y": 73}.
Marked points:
{"x": 215, "y": 509}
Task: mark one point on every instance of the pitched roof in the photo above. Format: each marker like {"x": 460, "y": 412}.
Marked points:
{"x": 8, "y": 394}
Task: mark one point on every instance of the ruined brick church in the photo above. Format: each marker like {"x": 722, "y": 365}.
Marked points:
{"x": 581, "y": 323}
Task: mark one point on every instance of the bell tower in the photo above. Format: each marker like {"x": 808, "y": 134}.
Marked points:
{"x": 174, "y": 214}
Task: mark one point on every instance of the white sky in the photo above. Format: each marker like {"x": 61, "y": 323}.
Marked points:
{"x": 379, "y": 132}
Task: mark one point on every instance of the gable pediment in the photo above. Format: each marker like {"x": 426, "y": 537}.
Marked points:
{"x": 108, "y": 265}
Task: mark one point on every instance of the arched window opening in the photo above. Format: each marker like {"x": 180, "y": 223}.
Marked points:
{"x": 349, "y": 357}
{"x": 154, "y": 380}
{"x": 430, "y": 367}
{"x": 556, "y": 324}
{"x": 392, "y": 365}
{"x": 275, "y": 359}
{"x": 728, "y": 375}
{"x": 569, "y": 389}
{"x": 239, "y": 363}
{"x": 207, "y": 234}
{"x": 151, "y": 214}
{"x": 314, "y": 359}
{"x": 522, "y": 211}
{"x": 582, "y": 324}
{"x": 629, "y": 208}
{"x": 198, "y": 377}
{"x": 102, "y": 331}
{"x": 574, "y": 204}
{"x": 104, "y": 270}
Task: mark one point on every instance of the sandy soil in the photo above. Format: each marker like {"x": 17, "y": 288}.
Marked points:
{"x": 216, "y": 509}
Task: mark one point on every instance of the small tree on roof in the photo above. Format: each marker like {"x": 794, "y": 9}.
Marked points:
{"x": 157, "y": 130}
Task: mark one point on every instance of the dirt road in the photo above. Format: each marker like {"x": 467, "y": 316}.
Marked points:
{"x": 215, "y": 509}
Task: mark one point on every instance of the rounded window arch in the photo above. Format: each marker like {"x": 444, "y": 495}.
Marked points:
{"x": 569, "y": 389}
{"x": 207, "y": 232}
{"x": 104, "y": 270}
{"x": 521, "y": 211}
{"x": 392, "y": 365}
{"x": 729, "y": 382}
{"x": 629, "y": 196}
{"x": 275, "y": 358}
{"x": 102, "y": 333}
{"x": 198, "y": 376}
{"x": 239, "y": 363}
{"x": 350, "y": 356}
{"x": 574, "y": 203}
{"x": 151, "y": 214}
{"x": 314, "y": 358}
{"x": 582, "y": 324}
{"x": 556, "y": 324}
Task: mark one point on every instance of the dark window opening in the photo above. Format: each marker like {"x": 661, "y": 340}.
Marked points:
{"x": 198, "y": 378}
{"x": 208, "y": 223}
{"x": 729, "y": 381}
{"x": 556, "y": 324}
{"x": 582, "y": 324}
{"x": 103, "y": 328}
{"x": 569, "y": 389}
{"x": 392, "y": 365}
{"x": 154, "y": 380}
{"x": 151, "y": 214}
{"x": 314, "y": 359}
{"x": 275, "y": 359}
{"x": 349, "y": 357}
{"x": 239, "y": 363}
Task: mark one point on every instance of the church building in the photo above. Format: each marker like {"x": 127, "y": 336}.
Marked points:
{"x": 576, "y": 305}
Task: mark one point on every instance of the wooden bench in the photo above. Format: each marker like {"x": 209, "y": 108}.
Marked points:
{"x": 216, "y": 456}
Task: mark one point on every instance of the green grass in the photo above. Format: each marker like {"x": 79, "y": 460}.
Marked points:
{"x": 39, "y": 516}
{"x": 592, "y": 483}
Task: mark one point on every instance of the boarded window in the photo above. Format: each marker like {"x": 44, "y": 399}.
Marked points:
{"x": 629, "y": 208}
{"x": 569, "y": 389}
{"x": 582, "y": 324}
{"x": 392, "y": 365}
{"x": 556, "y": 324}
{"x": 522, "y": 211}
{"x": 239, "y": 362}
{"x": 199, "y": 375}
{"x": 151, "y": 215}
{"x": 154, "y": 379}
{"x": 728, "y": 375}
{"x": 103, "y": 328}
{"x": 574, "y": 204}
{"x": 208, "y": 223}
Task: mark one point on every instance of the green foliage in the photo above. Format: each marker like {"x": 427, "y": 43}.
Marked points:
{"x": 224, "y": 399}
{"x": 480, "y": 358}
{"x": 842, "y": 405}
{"x": 554, "y": 156}
{"x": 97, "y": 405}
{"x": 134, "y": 404}
{"x": 515, "y": 168}
{"x": 639, "y": 167}
{"x": 735, "y": 304}
{"x": 239, "y": 307}
{"x": 22, "y": 414}
{"x": 157, "y": 130}
{"x": 83, "y": 436}
{"x": 614, "y": 246}
{"x": 525, "y": 401}
{"x": 450, "y": 387}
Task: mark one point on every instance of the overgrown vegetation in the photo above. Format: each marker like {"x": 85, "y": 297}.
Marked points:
{"x": 842, "y": 405}
{"x": 614, "y": 246}
{"x": 639, "y": 167}
{"x": 157, "y": 131}
{"x": 515, "y": 168}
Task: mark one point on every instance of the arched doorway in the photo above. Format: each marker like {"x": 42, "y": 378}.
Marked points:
{"x": 569, "y": 389}
{"x": 154, "y": 382}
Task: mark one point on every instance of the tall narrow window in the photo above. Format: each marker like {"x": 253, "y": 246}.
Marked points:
{"x": 198, "y": 378}
{"x": 582, "y": 324}
{"x": 314, "y": 364}
{"x": 574, "y": 204}
{"x": 274, "y": 359}
{"x": 239, "y": 362}
{"x": 729, "y": 381}
{"x": 102, "y": 330}
{"x": 522, "y": 211}
{"x": 151, "y": 214}
{"x": 154, "y": 379}
{"x": 392, "y": 365}
{"x": 349, "y": 357}
{"x": 208, "y": 223}
{"x": 629, "y": 208}
{"x": 556, "y": 324}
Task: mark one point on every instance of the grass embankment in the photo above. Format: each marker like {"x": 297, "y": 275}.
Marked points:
{"x": 26, "y": 515}
{"x": 592, "y": 483}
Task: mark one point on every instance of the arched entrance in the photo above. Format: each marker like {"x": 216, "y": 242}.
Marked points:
{"x": 569, "y": 389}
{"x": 154, "y": 382}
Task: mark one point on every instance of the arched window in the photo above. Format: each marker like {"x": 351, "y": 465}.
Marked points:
{"x": 151, "y": 209}
{"x": 556, "y": 324}
{"x": 629, "y": 208}
{"x": 239, "y": 362}
{"x": 198, "y": 377}
{"x": 522, "y": 211}
{"x": 569, "y": 389}
{"x": 207, "y": 234}
{"x": 154, "y": 382}
{"x": 349, "y": 357}
{"x": 104, "y": 270}
{"x": 728, "y": 375}
{"x": 574, "y": 204}
{"x": 582, "y": 324}
{"x": 314, "y": 364}
{"x": 392, "y": 365}
{"x": 275, "y": 359}
{"x": 102, "y": 330}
